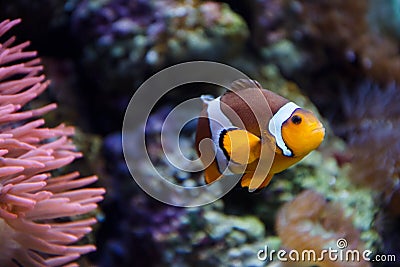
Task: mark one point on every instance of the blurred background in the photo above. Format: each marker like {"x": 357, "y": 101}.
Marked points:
{"x": 339, "y": 58}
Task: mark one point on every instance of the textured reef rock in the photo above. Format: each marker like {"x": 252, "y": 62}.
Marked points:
{"x": 153, "y": 234}
{"x": 125, "y": 41}
{"x": 210, "y": 237}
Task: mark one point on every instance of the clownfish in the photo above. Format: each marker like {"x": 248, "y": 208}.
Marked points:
{"x": 293, "y": 131}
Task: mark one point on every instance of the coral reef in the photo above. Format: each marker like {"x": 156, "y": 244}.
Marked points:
{"x": 126, "y": 40}
{"x": 209, "y": 237}
{"x": 343, "y": 55}
{"x": 171, "y": 236}
{"x": 36, "y": 200}
{"x": 309, "y": 222}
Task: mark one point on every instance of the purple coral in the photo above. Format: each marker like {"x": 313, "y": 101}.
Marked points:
{"x": 32, "y": 201}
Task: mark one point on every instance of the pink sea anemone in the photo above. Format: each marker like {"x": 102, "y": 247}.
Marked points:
{"x": 32, "y": 200}
{"x": 311, "y": 223}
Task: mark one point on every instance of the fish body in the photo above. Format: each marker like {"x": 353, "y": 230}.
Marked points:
{"x": 241, "y": 121}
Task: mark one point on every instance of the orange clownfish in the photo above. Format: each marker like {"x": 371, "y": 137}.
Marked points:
{"x": 293, "y": 131}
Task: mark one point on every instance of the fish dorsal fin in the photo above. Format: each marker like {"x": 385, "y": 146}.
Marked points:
{"x": 242, "y": 84}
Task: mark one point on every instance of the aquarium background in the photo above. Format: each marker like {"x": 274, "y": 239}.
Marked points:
{"x": 339, "y": 58}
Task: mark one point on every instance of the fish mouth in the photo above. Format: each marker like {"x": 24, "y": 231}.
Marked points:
{"x": 319, "y": 129}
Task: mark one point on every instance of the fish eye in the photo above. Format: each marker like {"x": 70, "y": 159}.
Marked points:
{"x": 296, "y": 119}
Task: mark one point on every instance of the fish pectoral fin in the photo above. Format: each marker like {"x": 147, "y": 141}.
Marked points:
{"x": 246, "y": 180}
{"x": 241, "y": 146}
